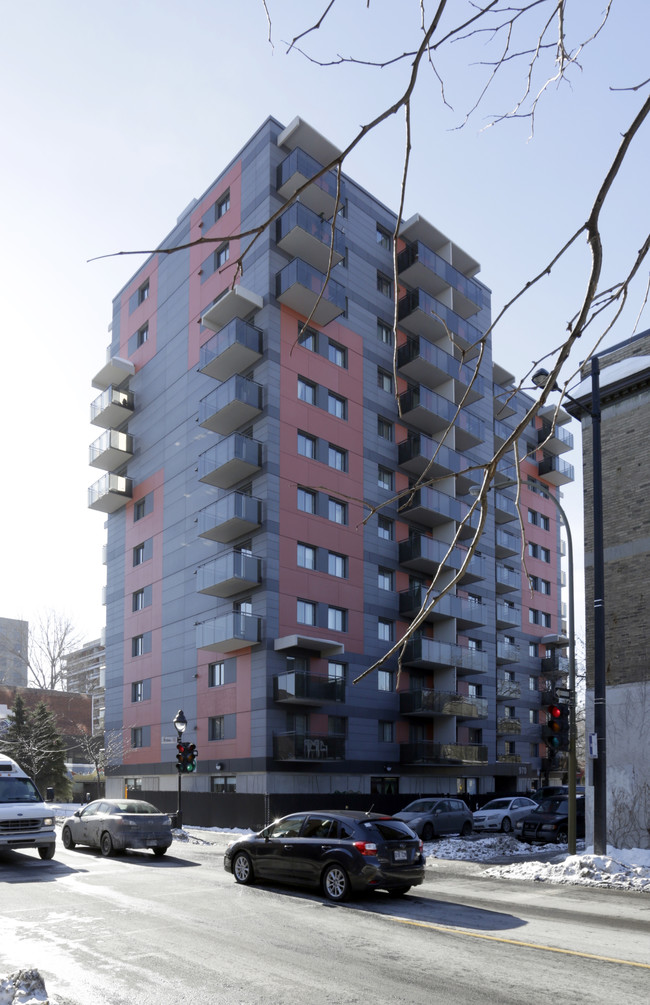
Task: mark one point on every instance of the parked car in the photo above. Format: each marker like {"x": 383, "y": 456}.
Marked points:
{"x": 549, "y": 821}
{"x": 113, "y": 825}
{"x": 430, "y": 818}
{"x": 554, "y": 790}
{"x": 340, "y": 852}
{"x": 502, "y": 814}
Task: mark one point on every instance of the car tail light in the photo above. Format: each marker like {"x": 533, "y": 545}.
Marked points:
{"x": 366, "y": 847}
{"x": 421, "y": 846}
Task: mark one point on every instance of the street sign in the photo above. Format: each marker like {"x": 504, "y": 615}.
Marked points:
{"x": 593, "y": 744}
{"x": 562, "y": 695}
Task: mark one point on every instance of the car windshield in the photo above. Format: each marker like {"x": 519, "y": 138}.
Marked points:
{"x": 554, "y": 804}
{"x": 132, "y": 806}
{"x": 497, "y": 804}
{"x": 18, "y": 790}
{"x": 419, "y": 806}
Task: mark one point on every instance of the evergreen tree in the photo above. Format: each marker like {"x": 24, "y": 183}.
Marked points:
{"x": 34, "y": 742}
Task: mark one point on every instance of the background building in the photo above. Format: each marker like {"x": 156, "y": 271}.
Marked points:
{"x": 625, "y": 451}
{"x": 85, "y": 673}
{"x": 275, "y": 518}
{"x": 14, "y": 646}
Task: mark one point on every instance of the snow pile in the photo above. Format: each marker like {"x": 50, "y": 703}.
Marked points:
{"x": 25, "y": 987}
{"x": 620, "y": 869}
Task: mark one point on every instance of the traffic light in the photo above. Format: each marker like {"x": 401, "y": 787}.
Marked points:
{"x": 556, "y": 731}
{"x": 181, "y": 756}
{"x": 191, "y": 754}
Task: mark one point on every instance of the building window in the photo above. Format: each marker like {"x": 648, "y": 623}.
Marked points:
{"x": 510, "y": 712}
{"x": 384, "y": 285}
{"x": 223, "y": 205}
{"x": 475, "y": 645}
{"x": 137, "y": 645}
{"x": 336, "y": 353}
{"x": 386, "y": 731}
{"x": 223, "y": 783}
{"x": 221, "y": 256}
{"x": 142, "y": 335}
{"x": 532, "y": 649}
{"x": 337, "y": 619}
{"x": 385, "y": 630}
{"x": 474, "y": 690}
{"x": 139, "y": 510}
{"x": 536, "y": 551}
{"x": 307, "y": 337}
{"x": 143, "y": 292}
{"x": 539, "y": 519}
{"x": 337, "y": 725}
{"x": 384, "y": 238}
{"x": 540, "y": 585}
{"x": 306, "y": 501}
{"x": 385, "y": 478}
{"x": 336, "y": 670}
{"x": 216, "y": 674}
{"x": 384, "y": 429}
{"x": 384, "y": 380}
{"x": 138, "y": 554}
{"x": 215, "y": 727}
{"x": 532, "y": 750}
{"x": 337, "y": 565}
{"x": 337, "y": 458}
{"x": 137, "y": 737}
{"x": 539, "y": 617}
{"x": 337, "y": 511}
{"x": 306, "y": 556}
{"x": 510, "y": 747}
{"x": 306, "y": 612}
{"x": 385, "y": 680}
{"x": 384, "y": 332}
{"x": 306, "y": 445}
{"x": 336, "y": 405}
{"x": 138, "y": 600}
{"x": 509, "y": 675}
{"x": 137, "y": 691}
{"x": 306, "y": 391}
{"x": 384, "y": 579}
{"x": 385, "y": 528}
{"x": 532, "y": 683}
{"x": 532, "y": 716}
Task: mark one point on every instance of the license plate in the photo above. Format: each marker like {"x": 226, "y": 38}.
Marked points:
{"x": 151, "y": 843}
{"x": 400, "y": 856}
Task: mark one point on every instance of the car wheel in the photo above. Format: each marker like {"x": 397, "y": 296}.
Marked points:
{"x": 159, "y": 852}
{"x": 336, "y": 884}
{"x": 562, "y": 836}
{"x": 399, "y": 891}
{"x": 506, "y": 825}
{"x": 67, "y": 838}
{"x": 242, "y": 868}
{"x": 46, "y": 851}
{"x": 106, "y": 844}
{"x": 467, "y": 829}
{"x": 427, "y": 832}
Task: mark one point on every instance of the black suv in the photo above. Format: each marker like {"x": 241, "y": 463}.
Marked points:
{"x": 341, "y": 852}
{"x": 550, "y": 821}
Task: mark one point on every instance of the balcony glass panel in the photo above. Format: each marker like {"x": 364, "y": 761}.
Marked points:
{"x": 507, "y": 652}
{"x": 508, "y": 726}
{"x": 111, "y": 450}
{"x": 232, "y": 404}
{"x": 301, "y": 688}
{"x": 423, "y": 652}
{"x": 427, "y": 701}
{"x": 507, "y": 543}
{"x": 112, "y": 408}
{"x": 426, "y": 554}
{"x": 419, "y": 454}
{"x": 230, "y": 517}
{"x": 426, "y": 752}
{"x": 441, "y": 274}
{"x": 229, "y": 632}
{"x": 230, "y": 461}
{"x": 110, "y": 493}
{"x": 297, "y": 168}
{"x": 432, "y": 413}
{"x": 304, "y": 234}
{"x": 554, "y": 440}
{"x": 298, "y": 285}
{"x": 507, "y": 579}
{"x": 229, "y": 574}
{"x": 308, "y": 747}
{"x": 429, "y": 364}
{"x": 232, "y": 350}
{"x": 424, "y": 315}
{"x": 508, "y": 689}
{"x": 555, "y": 470}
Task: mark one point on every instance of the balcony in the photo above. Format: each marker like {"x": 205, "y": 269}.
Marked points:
{"x": 229, "y": 574}
{"x": 308, "y": 747}
{"x": 509, "y": 758}
{"x": 508, "y": 689}
{"x": 556, "y": 471}
{"x": 428, "y": 702}
{"x": 111, "y": 450}
{"x": 231, "y": 405}
{"x": 555, "y": 666}
{"x": 466, "y": 613}
{"x": 476, "y": 570}
{"x": 431, "y": 413}
{"x": 506, "y": 544}
{"x": 116, "y": 371}
{"x": 554, "y": 439}
{"x": 431, "y": 507}
{"x": 507, "y": 579}
{"x": 508, "y": 615}
{"x": 505, "y": 509}
{"x": 229, "y": 633}
{"x": 295, "y": 170}
{"x": 425, "y": 752}
{"x": 421, "y": 314}
{"x": 420, "y": 266}
{"x": 300, "y": 688}
{"x": 112, "y": 408}
{"x": 235, "y": 348}
{"x": 507, "y": 726}
{"x": 507, "y": 652}
{"x": 230, "y": 461}
{"x": 301, "y": 233}
{"x": 502, "y": 406}
{"x": 429, "y": 654}
{"x": 420, "y": 455}
{"x": 230, "y": 517}
{"x": 237, "y": 302}
{"x": 428, "y": 555}
{"x": 299, "y": 285}
{"x": 501, "y": 433}
{"x": 110, "y": 493}
{"x": 423, "y": 362}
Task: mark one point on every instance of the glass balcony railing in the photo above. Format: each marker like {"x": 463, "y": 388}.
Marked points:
{"x": 110, "y": 493}
{"x": 422, "y": 314}
{"x": 425, "y": 752}
{"x": 229, "y": 574}
{"x": 439, "y": 267}
{"x": 427, "y": 701}
{"x": 230, "y": 517}
{"x": 296, "y": 169}
{"x": 230, "y": 461}
{"x": 308, "y": 747}
{"x": 112, "y": 408}
{"x": 431, "y": 412}
{"x": 234, "y": 349}
{"x": 299, "y": 285}
{"x": 233, "y": 404}
{"x": 556, "y": 471}
{"x": 300, "y": 688}
{"x": 228, "y": 633}
{"x": 304, "y": 234}
{"x": 430, "y": 364}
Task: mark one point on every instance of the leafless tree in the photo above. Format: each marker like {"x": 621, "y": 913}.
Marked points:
{"x": 52, "y": 639}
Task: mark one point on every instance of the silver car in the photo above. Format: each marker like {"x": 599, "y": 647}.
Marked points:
{"x": 502, "y": 814}
{"x": 431, "y": 818}
{"x": 113, "y": 825}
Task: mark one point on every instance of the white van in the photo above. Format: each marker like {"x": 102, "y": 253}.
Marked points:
{"x": 25, "y": 820}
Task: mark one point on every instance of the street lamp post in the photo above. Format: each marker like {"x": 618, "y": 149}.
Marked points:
{"x": 180, "y": 724}
{"x": 540, "y": 379}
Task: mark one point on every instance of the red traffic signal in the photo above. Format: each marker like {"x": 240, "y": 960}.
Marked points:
{"x": 556, "y": 733}
{"x": 180, "y": 756}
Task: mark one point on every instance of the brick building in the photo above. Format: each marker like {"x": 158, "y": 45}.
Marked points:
{"x": 72, "y": 712}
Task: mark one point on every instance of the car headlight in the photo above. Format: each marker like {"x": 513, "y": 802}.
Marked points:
{"x": 548, "y": 827}
{"x": 519, "y": 826}
{"x": 48, "y": 822}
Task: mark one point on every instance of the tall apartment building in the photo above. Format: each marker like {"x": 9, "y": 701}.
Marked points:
{"x": 274, "y": 519}
{"x": 85, "y": 673}
{"x": 625, "y": 456}
{"x": 14, "y": 652}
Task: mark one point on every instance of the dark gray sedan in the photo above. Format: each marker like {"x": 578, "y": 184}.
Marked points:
{"x": 113, "y": 825}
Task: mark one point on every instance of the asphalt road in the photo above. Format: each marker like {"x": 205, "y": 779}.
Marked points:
{"x": 178, "y": 929}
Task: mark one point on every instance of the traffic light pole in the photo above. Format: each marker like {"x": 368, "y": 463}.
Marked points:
{"x": 179, "y": 815}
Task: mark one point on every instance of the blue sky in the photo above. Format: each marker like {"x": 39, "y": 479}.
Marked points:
{"x": 116, "y": 114}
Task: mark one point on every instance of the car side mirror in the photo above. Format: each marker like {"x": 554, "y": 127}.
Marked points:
{"x": 77, "y": 813}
